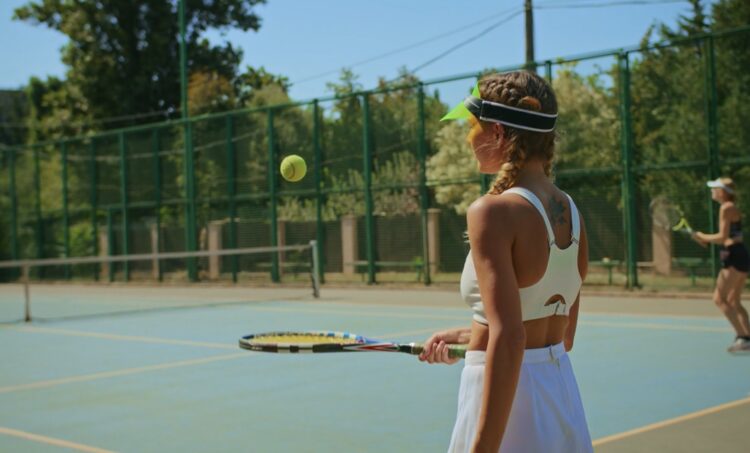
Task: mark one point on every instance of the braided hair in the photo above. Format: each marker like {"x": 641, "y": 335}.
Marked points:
{"x": 524, "y": 90}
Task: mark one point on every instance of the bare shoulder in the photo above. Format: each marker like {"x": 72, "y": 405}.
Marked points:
{"x": 729, "y": 208}
{"x": 500, "y": 210}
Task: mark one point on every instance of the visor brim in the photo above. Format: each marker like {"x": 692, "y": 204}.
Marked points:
{"x": 460, "y": 112}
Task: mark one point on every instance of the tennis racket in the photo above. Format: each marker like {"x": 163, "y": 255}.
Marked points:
{"x": 317, "y": 342}
{"x": 669, "y": 216}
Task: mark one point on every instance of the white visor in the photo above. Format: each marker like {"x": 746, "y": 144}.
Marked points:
{"x": 717, "y": 184}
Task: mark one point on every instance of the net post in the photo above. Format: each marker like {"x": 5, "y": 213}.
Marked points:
{"x": 314, "y": 272}
{"x": 26, "y": 296}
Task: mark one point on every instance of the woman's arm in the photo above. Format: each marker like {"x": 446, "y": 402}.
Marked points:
{"x": 723, "y": 234}
{"x": 491, "y": 233}
{"x": 583, "y": 268}
{"x": 570, "y": 331}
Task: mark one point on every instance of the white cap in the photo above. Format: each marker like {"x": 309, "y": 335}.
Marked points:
{"x": 718, "y": 184}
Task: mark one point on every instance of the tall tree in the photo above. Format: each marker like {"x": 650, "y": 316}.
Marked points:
{"x": 122, "y": 56}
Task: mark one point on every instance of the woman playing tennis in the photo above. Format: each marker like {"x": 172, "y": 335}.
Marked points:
{"x": 522, "y": 280}
{"x": 734, "y": 260}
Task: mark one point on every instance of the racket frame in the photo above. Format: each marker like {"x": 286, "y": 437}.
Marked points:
{"x": 349, "y": 343}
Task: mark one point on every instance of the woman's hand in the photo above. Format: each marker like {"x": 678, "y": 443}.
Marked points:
{"x": 436, "y": 347}
{"x": 697, "y": 237}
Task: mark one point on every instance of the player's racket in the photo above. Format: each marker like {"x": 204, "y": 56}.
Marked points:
{"x": 316, "y": 342}
{"x": 669, "y": 216}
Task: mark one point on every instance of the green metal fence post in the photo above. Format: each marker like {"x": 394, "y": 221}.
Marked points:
{"x": 155, "y": 145}
{"x": 65, "y": 216}
{"x": 13, "y": 196}
{"x": 93, "y": 201}
{"x": 272, "y": 186}
{"x": 38, "y": 211}
{"x": 369, "y": 221}
{"x": 190, "y": 206}
{"x": 713, "y": 138}
{"x": 232, "y": 192}
{"x": 548, "y": 71}
{"x": 110, "y": 242}
{"x": 124, "y": 203}
{"x": 189, "y": 170}
{"x": 628, "y": 186}
{"x": 423, "y": 194}
{"x": 317, "y": 172}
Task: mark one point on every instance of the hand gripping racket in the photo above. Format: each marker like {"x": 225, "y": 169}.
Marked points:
{"x": 317, "y": 342}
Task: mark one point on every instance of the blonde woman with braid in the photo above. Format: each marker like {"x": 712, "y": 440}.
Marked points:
{"x": 734, "y": 259}
{"x": 522, "y": 280}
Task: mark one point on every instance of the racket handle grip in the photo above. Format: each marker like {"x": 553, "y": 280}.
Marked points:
{"x": 455, "y": 351}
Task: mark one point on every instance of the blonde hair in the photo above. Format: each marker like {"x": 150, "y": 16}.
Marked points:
{"x": 729, "y": 182}
{"x": 528, "y": 91}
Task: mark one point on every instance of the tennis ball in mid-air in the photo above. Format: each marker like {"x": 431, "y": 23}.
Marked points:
{"x": 293, "y": 168}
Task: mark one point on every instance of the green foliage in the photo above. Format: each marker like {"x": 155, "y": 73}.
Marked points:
{"x": 253, "y": 80}
{"x": 347, "y": 193}
{"x": 122, "y": 57}
{"x": 453, "y": 161}
{"x": 588, "y": 127}
{"x": 13, "y": 111}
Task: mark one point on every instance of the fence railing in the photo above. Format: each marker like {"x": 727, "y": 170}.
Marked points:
{"x": 382, "y": 158}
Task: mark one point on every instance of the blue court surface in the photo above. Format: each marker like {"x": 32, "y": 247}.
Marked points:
{"x": 173, "y": 379}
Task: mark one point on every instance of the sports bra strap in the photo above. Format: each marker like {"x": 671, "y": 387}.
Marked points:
{"x": 534, "y": 200}
{"x": 575, "y": 220}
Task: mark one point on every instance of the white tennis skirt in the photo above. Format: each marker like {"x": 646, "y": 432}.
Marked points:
{"x": 547, "y": 414}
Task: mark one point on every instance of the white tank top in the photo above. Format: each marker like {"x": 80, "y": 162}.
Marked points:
{"x": 557, "y": 290}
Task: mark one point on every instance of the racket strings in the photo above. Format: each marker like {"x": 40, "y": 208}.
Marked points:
{"x": 302, "y": 338}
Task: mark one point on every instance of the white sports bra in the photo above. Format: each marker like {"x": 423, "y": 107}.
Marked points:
{"x": 557, "y": 290}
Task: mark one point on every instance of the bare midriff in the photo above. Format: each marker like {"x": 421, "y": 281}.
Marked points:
{"x": 540, "y": 333}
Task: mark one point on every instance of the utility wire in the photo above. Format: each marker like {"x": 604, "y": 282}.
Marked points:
{"x": 405, "y": 48}
{"x": 465, "y": 42}
{"x": 514, "y": 12}
{"x": 589, "y": 4}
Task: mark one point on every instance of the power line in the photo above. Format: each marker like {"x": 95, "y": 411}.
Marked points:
{"x": 543, "y": 6}
{"x": 565, "y": 4}
{"x": 584, "y": 4}
{"x": 465, "y": 42}
{"x": 407, "y": 47}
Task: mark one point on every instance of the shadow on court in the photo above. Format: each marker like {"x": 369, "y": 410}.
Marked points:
{"x": 133, "y": 369}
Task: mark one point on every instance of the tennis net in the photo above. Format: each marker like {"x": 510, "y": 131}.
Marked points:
{"x": 91, "y": 285}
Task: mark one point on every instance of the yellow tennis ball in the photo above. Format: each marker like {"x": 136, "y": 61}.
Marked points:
{"x": 293, "y": 168}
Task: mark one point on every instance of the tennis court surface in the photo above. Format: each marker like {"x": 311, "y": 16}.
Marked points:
{"x": 147, "y": 369}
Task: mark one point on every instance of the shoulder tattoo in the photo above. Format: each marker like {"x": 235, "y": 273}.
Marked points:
{"x": 557, "y": 211}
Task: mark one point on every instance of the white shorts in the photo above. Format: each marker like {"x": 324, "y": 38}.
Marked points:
{"x": 547, "y": 414}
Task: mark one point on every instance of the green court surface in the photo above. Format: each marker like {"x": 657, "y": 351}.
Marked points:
{"x": 158, "y": 369}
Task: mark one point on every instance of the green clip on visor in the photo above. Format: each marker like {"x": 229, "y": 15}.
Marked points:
{"x": 501, "y": 113}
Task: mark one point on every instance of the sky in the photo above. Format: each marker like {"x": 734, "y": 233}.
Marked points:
{"x": 301, "y": 39}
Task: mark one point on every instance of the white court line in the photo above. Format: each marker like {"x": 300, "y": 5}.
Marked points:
{"x": 671, "y": 421}
{"x": 412, "y": 332}
{"x": 118, "y": 373}
{"x": 653, "y": 326}
{"x": 624, "y": 325}
{"x": 130, "y": 371}
{"x": 107, "y": 336}
{"x": 618, "y": 314}
{"x": 589, "y": 310}
{"x": 52, "y": 441}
